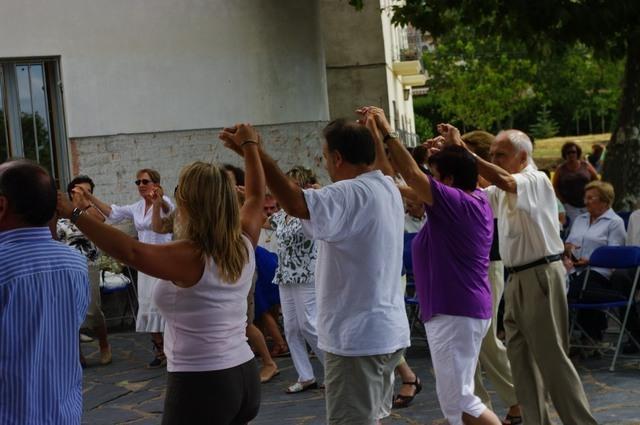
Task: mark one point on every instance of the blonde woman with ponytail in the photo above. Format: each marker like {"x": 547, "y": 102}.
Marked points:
{"x": 205, "y": 278}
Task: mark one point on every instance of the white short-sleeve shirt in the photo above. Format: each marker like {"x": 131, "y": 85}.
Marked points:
{"x": 142, "y": 220}
{"x": 528, "y": 227}
{"x": 359, "y": 224}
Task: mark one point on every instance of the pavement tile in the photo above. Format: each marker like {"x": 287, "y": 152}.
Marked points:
{"x": 126, "y": 392}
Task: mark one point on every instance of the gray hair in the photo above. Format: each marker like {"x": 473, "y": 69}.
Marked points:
{"x": 522, "y": 143}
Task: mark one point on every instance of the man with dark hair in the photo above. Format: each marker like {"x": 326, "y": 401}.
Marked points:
{"x": 362, "y": 323}
{"x": 44, "y": 294}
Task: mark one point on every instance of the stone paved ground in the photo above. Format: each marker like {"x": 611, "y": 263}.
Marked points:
{"x": 127, "y": 393}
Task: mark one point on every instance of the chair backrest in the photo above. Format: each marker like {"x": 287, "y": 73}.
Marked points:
{"x": 615, "y": 257}
{"x": 407, "y": 261}
{"x": 625, "y": 217}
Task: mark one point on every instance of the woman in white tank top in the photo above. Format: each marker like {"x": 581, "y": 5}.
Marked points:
{"x": 205, "y": 278}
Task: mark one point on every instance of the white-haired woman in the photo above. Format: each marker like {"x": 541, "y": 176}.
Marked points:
{"x": 205, "y": 278}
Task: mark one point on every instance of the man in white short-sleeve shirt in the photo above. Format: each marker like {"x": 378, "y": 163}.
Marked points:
{"x": 536, "y": 313}
{"x": 358, "y": 221}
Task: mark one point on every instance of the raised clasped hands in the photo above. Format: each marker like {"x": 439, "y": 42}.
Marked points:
{"x": 374, "y": 118}
{"x": 434, "y": 145}
{"x": 80, "y": 197}
{"x": 450, "y": 134}
{"x": 239, "y": 136}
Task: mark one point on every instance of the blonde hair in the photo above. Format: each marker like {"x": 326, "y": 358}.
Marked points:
{"x": 604, "y": 189}
{"x": 303, "y": 176}
{"x": 208, "y": 197}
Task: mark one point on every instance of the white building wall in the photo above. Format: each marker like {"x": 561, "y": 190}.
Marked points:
{"x": 146, "y": 66}
{"x": 395, "y": 39}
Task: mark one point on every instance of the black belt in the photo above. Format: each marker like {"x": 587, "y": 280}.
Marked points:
{"x": 545, "y": 260}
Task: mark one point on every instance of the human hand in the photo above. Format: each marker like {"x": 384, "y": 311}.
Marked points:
{"x": 451, "y": 134}
{"x": 64, "y": 207}
{"x": 157, "y": 195}
{"x": 80, "y": 197}
{"x": 434, "y": 145}
{"x": 239, "y": 136}
{"x": 581, "y": 262}
{"x": 378, "y": 115}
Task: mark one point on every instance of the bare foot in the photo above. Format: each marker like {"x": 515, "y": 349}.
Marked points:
{"x": 267, "y": 372}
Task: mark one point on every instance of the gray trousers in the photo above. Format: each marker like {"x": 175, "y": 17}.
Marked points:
{"x": 536, "y": 323}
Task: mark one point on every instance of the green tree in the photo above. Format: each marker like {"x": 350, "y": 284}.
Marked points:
{"x": 544, "y": 126}
{"x": 610, "y": 27}
{"x": 475, "y": 86}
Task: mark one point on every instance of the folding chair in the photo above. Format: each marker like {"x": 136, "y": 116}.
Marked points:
{"x": 610, "y": 257}
{"x": 130, "y": 308}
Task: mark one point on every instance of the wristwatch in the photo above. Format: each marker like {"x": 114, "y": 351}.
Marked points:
{"x": 75, "y": 215}
{"x": 390, "y": 135}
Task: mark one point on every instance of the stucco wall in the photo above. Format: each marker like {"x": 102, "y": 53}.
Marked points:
{"x": 141, "y": 66}
{"x": 112, "y": 161}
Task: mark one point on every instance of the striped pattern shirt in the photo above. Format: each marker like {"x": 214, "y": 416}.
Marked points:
{"x": 44, "y": 292}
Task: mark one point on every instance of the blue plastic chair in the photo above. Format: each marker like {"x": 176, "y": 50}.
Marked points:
{"x": 612, "y": 257}
{"x": 625, "y": 217}
{"x": 410, "y": 298}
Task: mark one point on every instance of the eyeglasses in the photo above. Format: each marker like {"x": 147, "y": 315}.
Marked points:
{"x": 143, "y": 181}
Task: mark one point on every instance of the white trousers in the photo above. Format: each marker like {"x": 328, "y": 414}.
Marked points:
{"x": 454, "y": 342}
{"x": 299, "y": 313}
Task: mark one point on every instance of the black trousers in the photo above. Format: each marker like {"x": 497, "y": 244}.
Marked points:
{"x": 599, "y": 289}
{"x": 220, "y": 397}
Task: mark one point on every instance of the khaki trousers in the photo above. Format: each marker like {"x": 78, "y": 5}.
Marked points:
{"x": 536, "y": 324}
{"x": 493, "y": 358}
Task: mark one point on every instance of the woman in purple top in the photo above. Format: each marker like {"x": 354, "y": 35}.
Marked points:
{"x": 450, "y": 264}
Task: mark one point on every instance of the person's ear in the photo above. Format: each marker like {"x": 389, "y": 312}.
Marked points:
{"x": 337, "y": 158}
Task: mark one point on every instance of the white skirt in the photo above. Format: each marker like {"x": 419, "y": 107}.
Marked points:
{"x": 149, "y": 318}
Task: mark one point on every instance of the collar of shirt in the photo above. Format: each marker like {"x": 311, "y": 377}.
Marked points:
{"x": 25, "y": 234}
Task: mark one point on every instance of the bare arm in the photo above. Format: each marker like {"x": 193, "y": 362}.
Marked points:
{"x": 409, "y": 170}
{"x": 289, "y": 194}
{"x": 490, "y": 172}
{"x": 409, "y": 194}
{"x": 592, "y": 171}
{"x": 244, "y": 140}
{"x": 381, "y": 162}
{"x": 179, "y": 261}
{"x": 251, "y": 214}
{"x": 104, "y": 208}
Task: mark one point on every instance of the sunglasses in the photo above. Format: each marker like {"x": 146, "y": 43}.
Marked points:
{"x": 143, "y": 181}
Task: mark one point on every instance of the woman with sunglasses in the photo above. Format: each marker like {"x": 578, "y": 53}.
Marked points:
{"x": 570, "y": 178}
{"x": 149, "y": 318}
{"x": 206, "y": 276}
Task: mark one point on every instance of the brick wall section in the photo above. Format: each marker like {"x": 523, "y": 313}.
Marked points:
{"x": 112, "y": 161}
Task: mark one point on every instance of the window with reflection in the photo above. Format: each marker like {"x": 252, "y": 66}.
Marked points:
{"x": 31, "y": 115}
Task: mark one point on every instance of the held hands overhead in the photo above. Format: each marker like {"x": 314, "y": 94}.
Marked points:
{"x": 239, "y": 136}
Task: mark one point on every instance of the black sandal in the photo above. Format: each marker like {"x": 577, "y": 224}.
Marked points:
{"x": 512, "y": 420}
{"x": 401, "y": 401}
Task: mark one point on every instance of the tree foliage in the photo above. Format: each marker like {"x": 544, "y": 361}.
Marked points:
{"x": 548, "y": 28}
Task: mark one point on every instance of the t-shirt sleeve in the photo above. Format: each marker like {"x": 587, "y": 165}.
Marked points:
{"x": 492, "y": 196}
{"x": 527, "y": 192}
{"x": 633, "y": 231}
{"x": 329, "y": 209}
{"x": 446, "y": 200}
{"x": 617, "y": 234}
{"x": 119, "y": 213}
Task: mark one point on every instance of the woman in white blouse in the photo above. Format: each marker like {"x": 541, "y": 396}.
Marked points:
{"x": 205, "y": 277}
{"x": 149, "y": 318}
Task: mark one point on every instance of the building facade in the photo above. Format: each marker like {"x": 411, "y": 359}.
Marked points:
{"x": 106, "y": 88}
